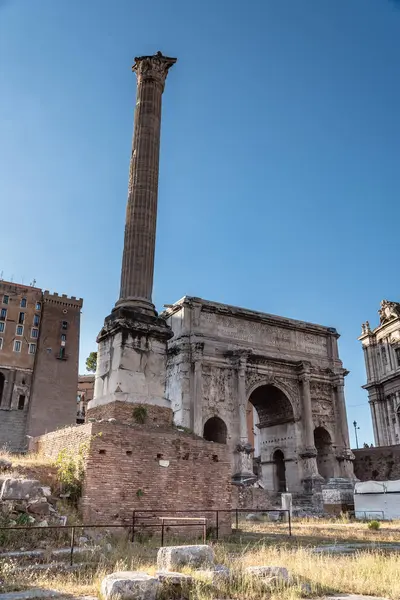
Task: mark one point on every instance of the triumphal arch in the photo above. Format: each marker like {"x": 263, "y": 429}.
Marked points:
{"x": 269, "y": 387}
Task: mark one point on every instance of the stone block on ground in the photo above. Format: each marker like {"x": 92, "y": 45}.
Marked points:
{"x": 254, "y": 517}
{"x": 214, "y": 576}
{"x": 277, "y": 573}
{"x": 173, "y": 558}
{"x": 40, "y": 507}
{"x": 21, "y": 489}
{"x": 129, "y": 585}
{"x": 274, "y": 516}
{"x": 174, "y": 578}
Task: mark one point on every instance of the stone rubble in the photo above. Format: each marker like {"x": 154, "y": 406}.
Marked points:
{"x": 129, "y": 585}
{"x": 5, "y": 465}
{"x": 254, "y": 517}
{"x": 280, "y": 573}
{"x": 173, "y": 558}
{"x": 28, "y": 502}
{"x": 173, "y": 578}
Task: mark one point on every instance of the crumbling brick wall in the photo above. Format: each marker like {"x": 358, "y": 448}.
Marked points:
{"x": 138, "y": 468}
{"x": 69, "y": 438}
{"x": 124, "y": 412}
{"x": 379, "y": 464}
{"x": 135, "y": 467}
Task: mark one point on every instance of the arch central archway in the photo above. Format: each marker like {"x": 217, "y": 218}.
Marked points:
{"x": 325, "y": 456}
{"x": 215, "y": 430}
{"x": 270, "y": 421}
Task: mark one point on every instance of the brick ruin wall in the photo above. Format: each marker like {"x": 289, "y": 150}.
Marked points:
{"x": 142, "y": 468}
{"x": 125, "y": 413}
{"x": 379, "y": 464}
{"x": 138, "y": 468}
{"x": 68, "y": 438}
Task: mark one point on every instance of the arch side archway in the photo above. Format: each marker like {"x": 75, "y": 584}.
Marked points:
{"x": 215, "y": 430}
{"x": 325, "y": 454}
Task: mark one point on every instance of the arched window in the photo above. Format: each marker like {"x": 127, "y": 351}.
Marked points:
{"x": 215, "y": 430}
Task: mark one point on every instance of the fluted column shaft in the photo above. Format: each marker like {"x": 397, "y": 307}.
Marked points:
{"x": 343, "y": 430}
{"x": 242, "y": 401}
{"x": 307, "y": 412}
{"x": 141, "y": 213}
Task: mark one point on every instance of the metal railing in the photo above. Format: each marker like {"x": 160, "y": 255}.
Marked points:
{"x": 164, "y": 519}
{"x": 146, "y": 515}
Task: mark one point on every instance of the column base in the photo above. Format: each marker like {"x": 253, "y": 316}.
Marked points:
{"x": 131, "y": 368}
{"x": 338, "y": 495}
{"x": 138, "y": 305}
{"x": 244, "y": 465}
{"x": 313, "y": 484}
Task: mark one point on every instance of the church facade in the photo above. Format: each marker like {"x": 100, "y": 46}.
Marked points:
{"x": 269, "y": 387}
{"x": 382, "y": 362}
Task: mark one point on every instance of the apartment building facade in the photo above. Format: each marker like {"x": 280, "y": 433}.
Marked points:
{"x": 39, "y": 352}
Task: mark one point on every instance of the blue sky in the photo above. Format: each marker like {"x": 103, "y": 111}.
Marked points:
{"x": 279, "y": 181}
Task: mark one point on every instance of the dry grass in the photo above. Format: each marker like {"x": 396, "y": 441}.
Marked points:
{"x": 318, "y": 531}
{"x": 369, "y": 572}
{"x": 31, "y": 466}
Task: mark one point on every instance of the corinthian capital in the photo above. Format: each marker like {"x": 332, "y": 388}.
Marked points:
{"x": 154, "y": 67}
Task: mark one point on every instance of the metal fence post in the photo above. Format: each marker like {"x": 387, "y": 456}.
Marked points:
{"x": 237, "y": 519}
{"x": 162, "y": 532}
{"x": 290, "y": 523}
{"x": 72, "y": 545}
{"x": 217, "y": 523}
{"x": 133, "y": 526}
{"x": 204, "y": 531}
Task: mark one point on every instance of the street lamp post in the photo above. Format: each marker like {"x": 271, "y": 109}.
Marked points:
{"x": 355, "y": 431}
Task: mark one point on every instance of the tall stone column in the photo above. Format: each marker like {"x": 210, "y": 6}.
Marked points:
{"x": 307, "y": 412}
{"x": 372, "y": 405}
{"x": 343, "y": 430}
{"x": 244, "y": 474}
{"x": 243, "y": 434}
{"x": 344, "y": 455}
{"x": 197, "y": 358}
{"x": 397, "y": 427}
{"x": 141, "y": 213}
{"x": 309, "y": 452}
{"x": 132, "y": 345}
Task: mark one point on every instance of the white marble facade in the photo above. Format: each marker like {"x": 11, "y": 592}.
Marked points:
{"x": 382, "y": 361}
{"x": 223, "y": 359}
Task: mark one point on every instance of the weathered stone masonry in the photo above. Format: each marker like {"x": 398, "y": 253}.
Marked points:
{"x": 223, "y": 359}
{"x": 379, "y": 464}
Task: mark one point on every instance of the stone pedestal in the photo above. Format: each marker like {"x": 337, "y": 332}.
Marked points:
{"x": 338, "y": 495}
{"x": 287, "y": 504}
{"x": 131, "y": 367}
{"x": 244, "y": 474}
